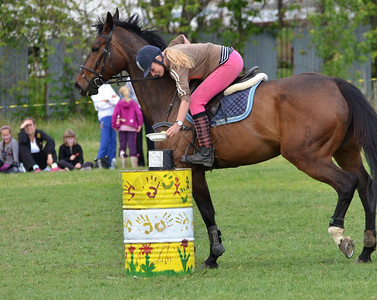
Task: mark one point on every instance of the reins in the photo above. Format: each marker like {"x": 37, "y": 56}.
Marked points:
{"x": 166, "y": 123}
{"x": 183, "y": 127}
{"x": 169, "y": 124}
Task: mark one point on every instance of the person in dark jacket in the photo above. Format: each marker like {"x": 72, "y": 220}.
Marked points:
{"x": 71, "y": 156}
{"x": 36, "y": 148}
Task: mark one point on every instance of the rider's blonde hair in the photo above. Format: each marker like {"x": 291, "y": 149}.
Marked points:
{"x": 178, "y": 59}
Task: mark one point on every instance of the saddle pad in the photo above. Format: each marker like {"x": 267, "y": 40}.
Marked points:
{"x": 233, "y": 108}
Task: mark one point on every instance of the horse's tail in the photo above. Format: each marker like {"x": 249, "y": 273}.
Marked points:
{"x": 364, "y": 122}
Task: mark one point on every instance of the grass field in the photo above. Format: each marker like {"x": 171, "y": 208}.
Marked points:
{"x": 62, "y": 237}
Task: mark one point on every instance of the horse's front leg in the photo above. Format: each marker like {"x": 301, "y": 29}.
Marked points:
{"x": 203, "y": 201}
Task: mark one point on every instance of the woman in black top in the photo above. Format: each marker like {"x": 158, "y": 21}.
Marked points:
{"x": 37, "y": 149}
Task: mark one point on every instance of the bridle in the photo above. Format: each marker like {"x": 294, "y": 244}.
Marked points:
{"x": 117, "y": 78}
{"x": 98, "y": 80}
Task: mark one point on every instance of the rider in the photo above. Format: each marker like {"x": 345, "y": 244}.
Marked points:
{"x": 218, "y": 66}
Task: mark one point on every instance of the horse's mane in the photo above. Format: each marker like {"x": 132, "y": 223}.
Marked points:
{"x": 132, "y": 24}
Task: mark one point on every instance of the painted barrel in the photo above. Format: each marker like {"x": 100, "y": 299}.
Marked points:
{"x": 158, "y": 222}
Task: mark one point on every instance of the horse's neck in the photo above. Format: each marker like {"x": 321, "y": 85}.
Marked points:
{"x": 155, "y": 97}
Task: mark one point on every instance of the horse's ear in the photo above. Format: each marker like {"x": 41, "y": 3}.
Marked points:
{"x": 116, "y": 14}
{"x": 109, "y": 23}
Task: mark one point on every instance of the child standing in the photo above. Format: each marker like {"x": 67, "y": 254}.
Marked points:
{"x": 70, "y": 153}
{"x": 127, "y": 119}
{"x": 8, "y": 151}
{"x": 104, "y": 103}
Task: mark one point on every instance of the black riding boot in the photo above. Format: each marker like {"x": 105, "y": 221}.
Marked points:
{"x": 206, "y": 155}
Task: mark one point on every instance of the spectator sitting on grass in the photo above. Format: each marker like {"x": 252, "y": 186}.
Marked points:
{"x": 71, "y": 156}
{"x": 8, "y": 152}
{"x": 33, "y": 154}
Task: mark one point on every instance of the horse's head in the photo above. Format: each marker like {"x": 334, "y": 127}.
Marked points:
{"x": 114, "y": 50}
{"x": 103, "y": 61}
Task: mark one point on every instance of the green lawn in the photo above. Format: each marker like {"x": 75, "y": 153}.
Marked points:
{"x": 62, "y": 237}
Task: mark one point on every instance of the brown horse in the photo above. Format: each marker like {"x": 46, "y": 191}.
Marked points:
{"x": 308, "y": 119}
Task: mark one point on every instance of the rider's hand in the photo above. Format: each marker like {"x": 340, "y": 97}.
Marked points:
{"x": 172, "y": 131}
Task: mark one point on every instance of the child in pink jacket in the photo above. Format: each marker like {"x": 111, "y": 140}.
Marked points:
{"x": 127, "y": 119}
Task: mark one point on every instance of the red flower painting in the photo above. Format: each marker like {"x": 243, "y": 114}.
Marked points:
{"x": 184, "y": 243}
{"x": 146, "y": 249}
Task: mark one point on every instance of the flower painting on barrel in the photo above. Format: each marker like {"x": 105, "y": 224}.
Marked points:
{"x": 160, "y": 259}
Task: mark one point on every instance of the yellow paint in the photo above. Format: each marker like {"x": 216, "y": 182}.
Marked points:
{"x": 158, "y": 222}
{"x": 157, "y": 189}
{"x": 159, "y": 258}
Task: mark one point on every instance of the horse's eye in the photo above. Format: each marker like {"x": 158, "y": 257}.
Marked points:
{"x": 95, "y": 49}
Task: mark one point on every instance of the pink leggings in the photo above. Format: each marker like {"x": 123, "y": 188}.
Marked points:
{"x": 216, "y": 82}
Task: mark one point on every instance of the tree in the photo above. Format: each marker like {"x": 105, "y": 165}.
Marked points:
{"x": 235, "y": 22}
{"x": 230, "y": 19}
{"x": 285, "y": 36}
{"x": 171, "y": 17}
{"x": 369, "y": 45}
{"x": 36, "y": 22}
{"x": 39, "y": 22}
{"x": 333, "y": 33}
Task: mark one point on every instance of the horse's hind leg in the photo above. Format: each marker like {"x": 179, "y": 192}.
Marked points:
{"x": 203, "y": 201}
{"x": 344, "y": 183}
{"x": 351, "y": 161}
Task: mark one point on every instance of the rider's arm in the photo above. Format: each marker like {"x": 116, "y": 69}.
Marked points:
{"x": 180, "y": 39}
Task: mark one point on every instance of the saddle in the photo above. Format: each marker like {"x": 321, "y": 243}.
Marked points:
{"x": 213, "y": 105}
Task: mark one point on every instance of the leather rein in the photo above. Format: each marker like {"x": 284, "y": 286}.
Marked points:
{"x": 169, "y": 124}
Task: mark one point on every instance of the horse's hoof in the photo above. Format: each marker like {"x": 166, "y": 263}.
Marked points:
{"x": 206, "y": 266}
{"x": 347, "y": 246}
{"x": 218, "y": 249}
{"x": 359, "y": 261}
